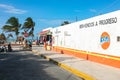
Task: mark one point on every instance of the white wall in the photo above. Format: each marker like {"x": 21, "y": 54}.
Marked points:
{"x": 88, "y": 39}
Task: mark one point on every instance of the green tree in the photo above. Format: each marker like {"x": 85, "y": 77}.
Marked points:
{"x": 28, "y": 26}
{"x": 10, "y": 35}
{"x": 2, "y": 36}
{"x": 65, "y": 23}
{"x": 12, "y": 25}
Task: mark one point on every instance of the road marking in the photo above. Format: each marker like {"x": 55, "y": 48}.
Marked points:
{"x": 72, "y": 70}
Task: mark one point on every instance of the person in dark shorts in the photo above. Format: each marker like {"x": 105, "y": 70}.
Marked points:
{"x": 30, "y": 44}
{"x": 9, "y": 47}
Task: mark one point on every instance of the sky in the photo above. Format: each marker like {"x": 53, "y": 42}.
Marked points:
{"x": 52, "y": 13}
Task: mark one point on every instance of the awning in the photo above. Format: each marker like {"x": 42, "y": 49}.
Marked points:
{"x": 47, "y": 32}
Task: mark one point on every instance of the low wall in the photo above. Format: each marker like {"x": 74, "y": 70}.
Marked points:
{"x": 92, "y": 56}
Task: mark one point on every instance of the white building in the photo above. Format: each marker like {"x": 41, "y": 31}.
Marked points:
{"x": 96, "y": 39}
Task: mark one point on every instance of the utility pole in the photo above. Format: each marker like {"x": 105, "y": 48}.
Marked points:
{"x": 76, "y": 19}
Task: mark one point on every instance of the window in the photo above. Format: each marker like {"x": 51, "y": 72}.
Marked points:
{"x": 118, "y": 38}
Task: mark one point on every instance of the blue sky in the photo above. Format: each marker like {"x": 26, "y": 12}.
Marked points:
{"x": 51, "y": 13}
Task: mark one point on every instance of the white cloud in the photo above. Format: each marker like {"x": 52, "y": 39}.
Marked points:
{"x": 12, "y": 9}
{"x": 93, "y": 10}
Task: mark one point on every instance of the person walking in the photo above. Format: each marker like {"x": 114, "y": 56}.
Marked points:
{"x": 9, "y": 47}
{"x": 30, "y": 45}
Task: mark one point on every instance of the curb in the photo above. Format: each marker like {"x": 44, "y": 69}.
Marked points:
{"x": 68, "y": 68}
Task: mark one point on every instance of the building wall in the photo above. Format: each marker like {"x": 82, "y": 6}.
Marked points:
{"x": 97, "y": 35}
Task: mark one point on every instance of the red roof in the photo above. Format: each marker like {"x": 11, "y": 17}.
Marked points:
{"x": 44, "y": 32}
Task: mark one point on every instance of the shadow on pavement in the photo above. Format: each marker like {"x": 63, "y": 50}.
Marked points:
{"x": 21, "y": 66}
{"x": 62, "y": 58}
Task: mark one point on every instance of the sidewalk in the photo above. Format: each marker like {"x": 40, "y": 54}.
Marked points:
{"x": 80, "y": 67}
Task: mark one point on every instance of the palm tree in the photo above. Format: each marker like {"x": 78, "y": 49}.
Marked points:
{"x": 28, "y": 26}
{"x": 12, "y": 25}
{"x": 2, "y": 36}
{"x": 10, "y": 35}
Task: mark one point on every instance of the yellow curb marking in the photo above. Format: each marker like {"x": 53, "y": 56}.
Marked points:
{"x": 72, "y": 70}
{"x": 76, "y": 72}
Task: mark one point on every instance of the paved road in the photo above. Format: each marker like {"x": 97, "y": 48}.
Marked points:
{"x": 23, "y": 65}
